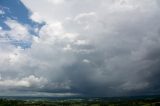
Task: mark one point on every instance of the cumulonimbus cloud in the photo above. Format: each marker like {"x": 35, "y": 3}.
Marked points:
{"x": 96, "y": 48}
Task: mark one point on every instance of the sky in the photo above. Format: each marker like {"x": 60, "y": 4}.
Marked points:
{"x": 71, "y": 48}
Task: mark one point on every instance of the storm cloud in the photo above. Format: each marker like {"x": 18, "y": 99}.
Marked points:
{"x": 86, "y": 48}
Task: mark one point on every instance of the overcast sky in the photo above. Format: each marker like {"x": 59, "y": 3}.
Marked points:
{"x": 79, "y": 47}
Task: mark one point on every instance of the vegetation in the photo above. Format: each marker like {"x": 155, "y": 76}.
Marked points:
{"x": 82, "y": 102}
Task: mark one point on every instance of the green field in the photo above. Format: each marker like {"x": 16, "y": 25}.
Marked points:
{"x": 83, "y": 102}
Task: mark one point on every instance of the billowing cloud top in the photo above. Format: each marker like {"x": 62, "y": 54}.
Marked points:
{"x": 85, "y": 48}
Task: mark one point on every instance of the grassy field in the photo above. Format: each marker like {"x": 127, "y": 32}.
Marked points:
{"x": 83, "y": 102}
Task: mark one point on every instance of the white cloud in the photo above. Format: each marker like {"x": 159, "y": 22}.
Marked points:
{"x": 86, "y": 61}
{"x": 2, "y": 12}
{"x": 82, "y": 16}
{"x": 30, "y": 81}
{"x": 81, "y": 42}
{"x": 36, "y": 17}
{"x": 18, "y": 31}
{"x": 56, "y": 1}
{"x": 67, "y": 48}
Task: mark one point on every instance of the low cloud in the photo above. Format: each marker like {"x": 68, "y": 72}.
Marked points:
{"x": 30, "y": 81}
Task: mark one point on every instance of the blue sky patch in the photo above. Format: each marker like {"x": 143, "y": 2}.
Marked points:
{"x": 15, "y": 10}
